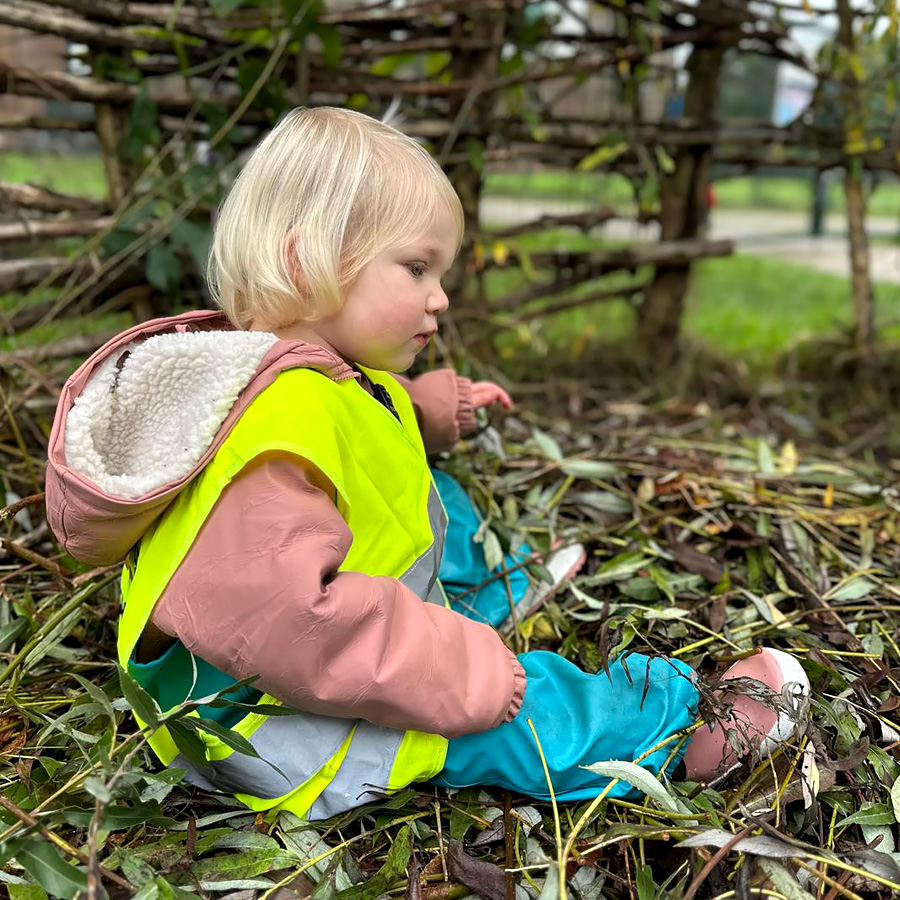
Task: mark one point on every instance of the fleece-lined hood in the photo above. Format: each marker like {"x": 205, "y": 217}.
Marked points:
{"x": 140, "y": 418}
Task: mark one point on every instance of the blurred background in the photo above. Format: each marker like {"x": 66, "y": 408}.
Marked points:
{"x": 684, "y": 199}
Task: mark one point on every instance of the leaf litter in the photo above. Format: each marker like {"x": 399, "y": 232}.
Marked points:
{"x": 705, "y": 540}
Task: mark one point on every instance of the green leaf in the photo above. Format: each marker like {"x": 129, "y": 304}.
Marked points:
{"x": 493, "y": 552}
{"x": 135, "y": 869}
{"x": 384, "y": 879}
{"x": 785, "y": 882}
{"x": 307, "y": 843}
{"x": 11, "y": 632}
{"x": 26, "y": 892}
{"x": 223, "y": 8}
{"x": 331, "y": 44}
{"x": 303, "y": 16}
{"x": 475, "y": 150}
{"x": 590, "y": 468}
{"x": 116, "y": 818}
{"x": 550, "y": 889}
{"x": 159, "y": 785}
{"x": 232, "y": 739}
{"x": 96, "y": 787}
{"x": 143, "y": 128}
{"x": 141, "y": 703}
{"x": 188, "y": 743}
{"x": 150, "y": 891}
{"x": 603, "y": 501}
{"x": 388, "y": 65}
{"x": 620, "y": 567}
{"x": 42, "y": 861}
{"x": 460, "y": 822}
{"x": 857, "y": 67}
{"x": 246, "y": 864}
{"x": 602, "y": 155}
{"x": 98, "y": 696}
{"x": 270, "y": 97}
{"x": 108, "y": 67}
{"x": 764, "y": 459}
{"x": 852, "y": 589}
{"x": 163, "y": 268}
{"x": 186, "y": 707}
{"x": 895, "y": 799}
{"x": 642, "y": 589}
{"x": 641, "y": 779}
{"x": 196, "y": 238}
{"x": 245, "y": 840}
{"x": 265, "y": 709}
{"x": 547, "y": 445}
{"x": 869, "y": 814}
{"x": 646, "y": 886}
{"x": 170, "y": 892}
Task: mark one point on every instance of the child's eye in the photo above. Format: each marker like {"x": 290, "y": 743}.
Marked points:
{"x": 416, "y": 269}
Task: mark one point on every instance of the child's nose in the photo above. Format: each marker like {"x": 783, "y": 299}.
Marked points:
{"x": 438, "y": 302}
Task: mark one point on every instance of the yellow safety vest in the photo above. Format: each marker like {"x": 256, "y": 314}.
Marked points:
{"x": 388, "y": 499}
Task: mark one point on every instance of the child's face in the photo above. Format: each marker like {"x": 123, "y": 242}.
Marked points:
{"x": 391, "y": 310}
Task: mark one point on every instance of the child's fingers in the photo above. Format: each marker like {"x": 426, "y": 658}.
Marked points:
{"x": 486, "y": 393}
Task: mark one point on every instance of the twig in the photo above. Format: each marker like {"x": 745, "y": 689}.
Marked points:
{"x": 714, "y": 860}
{"x": 74, "y": 602}
{"x": 63, "y": 845}
{"x": 9, "y": 511}
{"x": 36, "y": 559}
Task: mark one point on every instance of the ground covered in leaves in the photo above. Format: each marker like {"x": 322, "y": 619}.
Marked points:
{"x": 708, "y": 535}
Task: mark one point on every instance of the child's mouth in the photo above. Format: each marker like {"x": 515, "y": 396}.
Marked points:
{"x": 422, "y": 339}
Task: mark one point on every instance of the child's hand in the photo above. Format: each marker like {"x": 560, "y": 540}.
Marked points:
{"x": 486, "y": 393}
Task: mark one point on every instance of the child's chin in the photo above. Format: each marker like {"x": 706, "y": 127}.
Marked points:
{"x": 397, "y": 362}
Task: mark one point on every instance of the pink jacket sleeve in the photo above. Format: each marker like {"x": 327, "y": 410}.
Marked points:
{"x": 443, "y": 403}
{"x": 259, "y": 594}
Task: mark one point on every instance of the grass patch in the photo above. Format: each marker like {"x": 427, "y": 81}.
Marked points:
{"x": 58, "y": 329}
{"x": 67, "y": 174}
{"x": 757, "y": 308}
{"x": 83, "y": 174}
{"x": 614, "y": 190}
{"x": 784, "y": 194}
{"x": 746, "y": 307}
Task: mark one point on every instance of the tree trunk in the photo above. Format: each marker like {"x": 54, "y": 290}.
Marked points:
{"x": 683, "y": 197}
{"x": 860, "y": 278}
{"x": 485, "y": 26}
{"x": 861, "y": 281}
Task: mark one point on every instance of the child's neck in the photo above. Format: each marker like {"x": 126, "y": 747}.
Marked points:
{"x": 306, "y": 332}
{"x": 302, "y": 331}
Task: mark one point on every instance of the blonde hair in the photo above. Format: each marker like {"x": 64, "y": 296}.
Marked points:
{"x": 331, "y": 188}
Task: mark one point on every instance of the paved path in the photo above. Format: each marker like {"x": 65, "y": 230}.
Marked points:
{"x": 782, "y": 235}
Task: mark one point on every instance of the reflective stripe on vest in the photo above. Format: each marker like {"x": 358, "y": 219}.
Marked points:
{"x": 386, "y": 495}
{"x": 422, "y": 576}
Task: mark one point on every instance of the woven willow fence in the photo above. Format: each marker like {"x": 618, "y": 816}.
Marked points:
{"x": 176, "y": 94}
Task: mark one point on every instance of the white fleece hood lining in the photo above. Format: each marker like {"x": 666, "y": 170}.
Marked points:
{"x": 146, "y": 423}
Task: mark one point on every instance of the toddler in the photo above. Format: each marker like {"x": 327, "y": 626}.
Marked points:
{"x": 265, "y": 480}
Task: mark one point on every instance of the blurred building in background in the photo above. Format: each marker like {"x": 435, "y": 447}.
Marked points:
{"x": 42, "y": 53}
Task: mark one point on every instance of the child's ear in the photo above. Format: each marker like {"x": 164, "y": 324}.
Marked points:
{"x": 294, "y": 268}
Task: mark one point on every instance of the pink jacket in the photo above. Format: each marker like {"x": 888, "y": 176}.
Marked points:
{"x": 141, "y": 418}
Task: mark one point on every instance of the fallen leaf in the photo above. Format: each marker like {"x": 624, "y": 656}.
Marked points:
{"x": 482, "y": 878}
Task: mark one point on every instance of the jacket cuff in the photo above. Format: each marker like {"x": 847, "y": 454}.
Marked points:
{"x": 518, "y": 697}
{"x": 465, "y": 410}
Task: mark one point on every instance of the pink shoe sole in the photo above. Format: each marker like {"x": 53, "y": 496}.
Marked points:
{"x": 710, "y": 753}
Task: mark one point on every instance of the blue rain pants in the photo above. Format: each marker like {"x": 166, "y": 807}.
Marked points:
{"x": 579, "y": 718}
{"x": 463, "y": 567}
